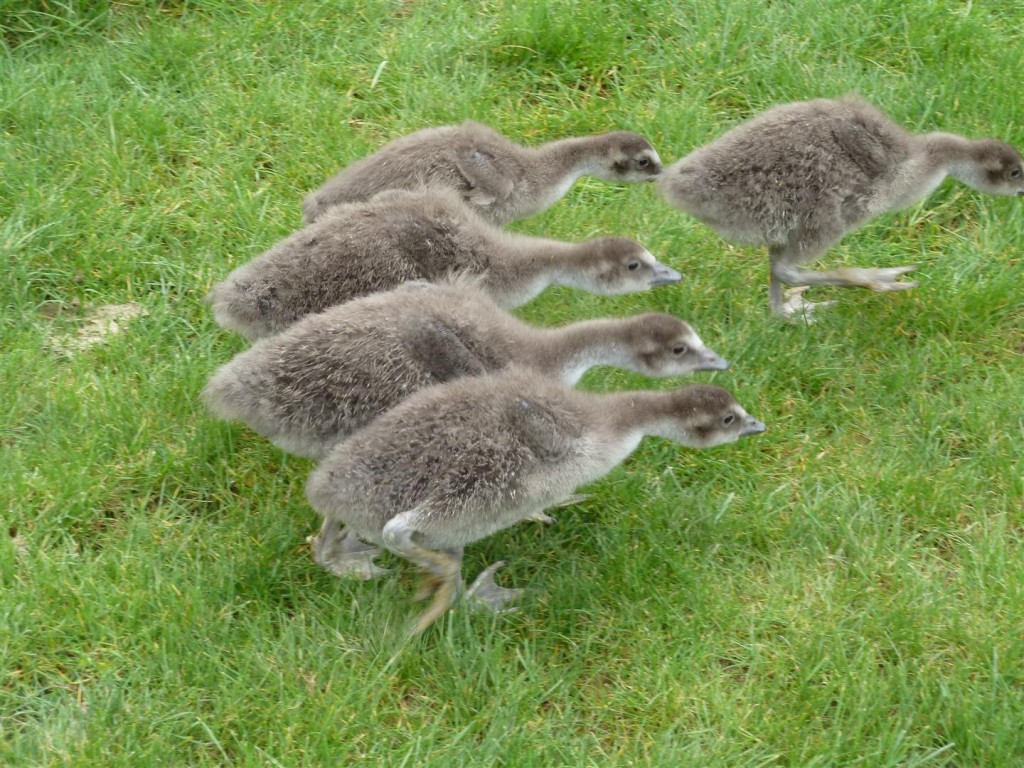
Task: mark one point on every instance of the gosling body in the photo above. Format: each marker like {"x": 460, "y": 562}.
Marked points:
{"x": 502, "y": 180}
{"x": 374, "y": 246}
{"x": 457, "y": 462}
{"x": 315, "y": 383}
{"x": 800, "y": 176}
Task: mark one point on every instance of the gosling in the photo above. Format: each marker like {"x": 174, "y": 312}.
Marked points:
{"x": 502, "y": 180}
{"x": 365, "y": 248}
{"x": 457, "y": 462}
{"x": 312, "y": 385}
{"x": 800, "y": 176}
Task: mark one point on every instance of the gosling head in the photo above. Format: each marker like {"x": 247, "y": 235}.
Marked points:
{"x": 663, "y": 345}
{"x": 995, "y": 167}
{"x": 628, "y": 158}
{"x": 703, "y": 416}
{"x": 615, "y": 265}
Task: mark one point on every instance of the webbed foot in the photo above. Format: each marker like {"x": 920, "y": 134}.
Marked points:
{"x": 485, "y": 593}
{"x": 796, "y": 307}
{"x": 883, "y": 279}
{"x": 343, "y": 554}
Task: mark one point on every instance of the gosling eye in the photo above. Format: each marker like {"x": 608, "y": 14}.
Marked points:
{"x": 643, "y": 162}
{"x": 679, "y": 349}
{"x": 728, "y": 419}
{"x": 1015, "y": 173}
{"x": 633, "y": 266}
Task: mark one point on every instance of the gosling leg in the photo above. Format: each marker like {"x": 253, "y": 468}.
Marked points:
{"x": 442, "y": 569}
{"x": 540, "y": 517}
{"x": 879, "y": 279}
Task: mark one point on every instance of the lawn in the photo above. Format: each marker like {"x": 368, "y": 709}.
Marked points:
{"x": 845, "y": 589}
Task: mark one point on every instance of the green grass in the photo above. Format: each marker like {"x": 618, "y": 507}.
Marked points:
{"x": 846, "y": 589}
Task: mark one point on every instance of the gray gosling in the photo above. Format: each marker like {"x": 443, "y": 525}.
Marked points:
{"x": 460, "y": 461}
{"x": 800, "y": 176}
{"x": 365, "y": 248}
{"x": 502, "y": 180}
{"x": 312, "y": 385}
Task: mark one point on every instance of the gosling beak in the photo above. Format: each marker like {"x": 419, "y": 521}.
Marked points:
{"x": 655, "y": 170}
{"x": 710, "y": 361}
{"x": 752, "y": 427}
{"x": 665, "y": 275}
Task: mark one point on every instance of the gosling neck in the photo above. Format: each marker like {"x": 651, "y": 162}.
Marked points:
{"x": 570, "y": 351}
{"x": 933, "y": 156}
{"x": 566, "y": 160}
{"x": 953, "y": 155}
{"x": 527, "y": 265}
{"x": 638, "y": 413}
